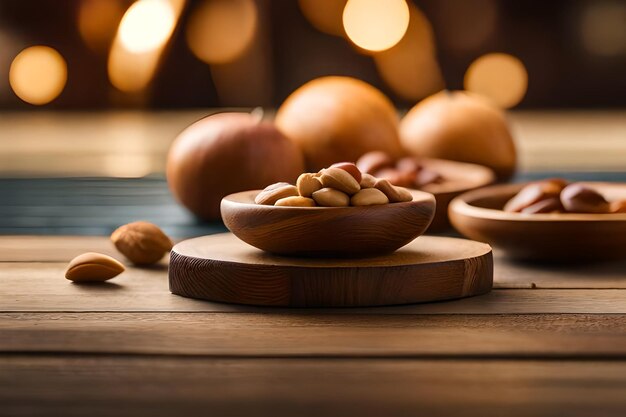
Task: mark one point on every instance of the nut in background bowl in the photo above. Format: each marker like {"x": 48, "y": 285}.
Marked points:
{"x": 552, "y": 237}
{"x": 327, "y": 231}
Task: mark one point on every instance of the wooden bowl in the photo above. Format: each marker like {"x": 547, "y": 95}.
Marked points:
{"x": 459, "y": 178}
{"x": 559, "y": 237}
{"x": 327, "y": 231}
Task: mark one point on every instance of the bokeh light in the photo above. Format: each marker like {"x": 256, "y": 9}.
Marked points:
{"x": 502, "y": 78}
{"x": 326, "y": 15}
{"x": 603, "y": 28}
{"x": 376, "y": 25}
{"x": 38, "y": 74}
{"x": 134, "y": 59}
{"x": 147, "y": 25}
{"x": 410, "y": 68}
{"x": 98, "y": 21}
{"x": 219, "y": 31}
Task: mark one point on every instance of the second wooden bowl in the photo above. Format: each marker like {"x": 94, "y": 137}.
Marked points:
{"x": 327, "y": 231}
{"x": 459, "y": 178}
{"x": 569, "y": 237}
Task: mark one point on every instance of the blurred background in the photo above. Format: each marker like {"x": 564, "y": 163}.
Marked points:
{"x": 93, "y": 92}
{"x": 170, "y": 54}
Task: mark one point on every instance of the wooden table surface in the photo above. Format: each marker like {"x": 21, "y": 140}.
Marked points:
{"x": 548, "y": 340}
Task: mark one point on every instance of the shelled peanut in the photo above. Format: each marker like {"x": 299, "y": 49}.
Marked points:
{"x": 404, "y": 172}
{"x": 556, "y": 195}
{"x": 340, "y": 185}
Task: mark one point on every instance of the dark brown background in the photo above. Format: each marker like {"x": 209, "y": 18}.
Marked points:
{"x": 545, "y": 35}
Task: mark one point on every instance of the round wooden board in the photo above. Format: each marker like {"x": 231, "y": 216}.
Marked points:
{"x": 223, "y": 268}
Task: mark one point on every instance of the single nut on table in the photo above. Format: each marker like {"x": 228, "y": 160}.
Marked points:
{"x": 272, "y": 193}
{"x": 549, "y": 205}
{"x": 577, "y": 198}
{"x": 393, "y": 193}
{"x": 350, "y": 168}
{"x": 533, "y": 193}
{"x": 329, "y": 197}
{"x": 369, "y": 197}
{"x": 374, "y": 161}
{"x": 142, "y": 243}
{"x": 297, "y": 201}
{"x": 340, "y": 180}
{"x": 367, "y": 181}
{"x": 92, "y": 266}
{"x": 618, "y": 206}
{"x": 308, "y": 184}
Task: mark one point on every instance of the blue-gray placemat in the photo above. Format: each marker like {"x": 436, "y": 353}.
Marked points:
{"x": 96, "y": 206}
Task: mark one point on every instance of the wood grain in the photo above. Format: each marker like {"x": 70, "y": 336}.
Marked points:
{"x": 562, "y": 237}
{"x": 223, "y": 268}
{"x": 327, "y": 231}
{"x": 35, "y": 286}
{"x": 507, "y": 274}
{"x": 100, "y": 386}
{"x": 301, "y": 334}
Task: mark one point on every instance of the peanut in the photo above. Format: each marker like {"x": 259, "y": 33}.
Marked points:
{"x": 340, "y": 180}
{"x": 393, "y": 193}
{"x": 272, "y": 193}
{"x": 329, "y": 197}
{"x": 368, "y": 181}
{"x": 369, "y": 197}
{"x": 297, "y": 201}
{"x": 308, "y": 184}
{"x": 350, "y": 168}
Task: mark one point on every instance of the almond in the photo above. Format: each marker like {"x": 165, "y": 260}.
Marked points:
{"x": 92, "y": 266}
{"x": 141, "y": 242}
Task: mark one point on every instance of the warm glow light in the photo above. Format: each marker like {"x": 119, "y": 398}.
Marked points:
{"x": 131, "y": 66}
{"x": 98, "y": 21}
{"x": 38, "y": 74}
{"x": 499, "y": 77}
{"x": 410, "y": 68}
{"x": 219, "y": 31}
{"x": 126, "y": 165}
{"x": 325, "y": 15}
{"x": 147, "y": 25}
{"x": 376, "y": 25}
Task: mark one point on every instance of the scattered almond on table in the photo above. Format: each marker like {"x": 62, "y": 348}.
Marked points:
{"x": 143, "y": 243}
{"x": 93, "y": 267}
{"x": 340, "y": 185}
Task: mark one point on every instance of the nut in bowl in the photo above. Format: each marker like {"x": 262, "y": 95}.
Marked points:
{"x": 336, "y": 217}
{"x": 548, "y": 220}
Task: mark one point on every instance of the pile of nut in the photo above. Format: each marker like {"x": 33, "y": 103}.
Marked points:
{"x": 340, "y": 185}
{"x": 142, "y": 243}
{"x": 556, "y": 195}
{"x": 405, "y": 172}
